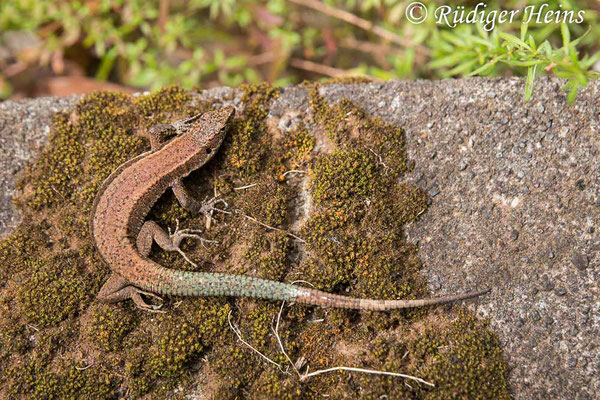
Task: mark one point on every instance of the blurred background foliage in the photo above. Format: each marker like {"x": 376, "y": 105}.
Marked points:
{"x": 60, "y": 47}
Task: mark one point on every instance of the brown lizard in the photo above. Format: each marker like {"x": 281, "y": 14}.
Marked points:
{"x": 124, "y": 239}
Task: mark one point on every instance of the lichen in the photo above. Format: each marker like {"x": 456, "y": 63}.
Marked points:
{"x": 56, "y": 342}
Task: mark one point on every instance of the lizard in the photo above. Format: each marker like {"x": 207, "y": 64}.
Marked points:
{"x": 123, "y": 238}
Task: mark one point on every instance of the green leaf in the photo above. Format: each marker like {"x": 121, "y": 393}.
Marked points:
{"x": 512, "y": 39}
{"x": 566, "y": 36}
{"x": 529, "y": 82}
{"x": 524, "y": 30}
{"x": 484, "y": 68}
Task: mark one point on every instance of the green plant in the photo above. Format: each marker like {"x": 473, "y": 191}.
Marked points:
{"x": 211, "y": 42}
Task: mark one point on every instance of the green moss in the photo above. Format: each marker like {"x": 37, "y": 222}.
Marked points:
{"x": 344, "y": 176}
{"x": 107, "y": 326}
{"x": 246, "y": 146}
{"x": 267, "y": 201}
{"x": 354, "y": 245}
{"x": 348, "y": 80}
{"x": 293, "y": 150}
{"x": 55, "y": 290}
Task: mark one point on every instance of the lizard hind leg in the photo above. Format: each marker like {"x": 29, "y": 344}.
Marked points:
{"x": 117, "y": 289}
{"x": 151, "y": 232}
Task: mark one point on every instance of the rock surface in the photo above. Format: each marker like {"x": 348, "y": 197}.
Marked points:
{"x": 515, "y": 203}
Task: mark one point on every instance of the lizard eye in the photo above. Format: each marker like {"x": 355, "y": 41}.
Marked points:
{"x": 208, "y": 150}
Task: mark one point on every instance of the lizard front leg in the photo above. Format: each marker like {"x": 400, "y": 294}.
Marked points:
{"x": 189, "y": 202}
{"x": 160, "y": 134}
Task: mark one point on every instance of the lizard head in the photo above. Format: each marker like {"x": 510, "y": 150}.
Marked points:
{"x": 209, "y": 128}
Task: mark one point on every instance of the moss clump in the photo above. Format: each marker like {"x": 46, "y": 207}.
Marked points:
{"x": 56, "y": 289}
{"x": 293, "y": 150}
{"x": 344, "y": 176}
{"x": 247, "y": 146}
{"x": 348, "y": 126}
{"x": 348, "y": 80}
{"x": 107, "y": 326}
{"x": 267, "y": 255}
{"x": 267, "y": 201}
{"x": 466, "y": 360}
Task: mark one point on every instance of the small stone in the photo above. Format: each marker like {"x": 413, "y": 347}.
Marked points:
{"x": 462, "y": 165}
{"x": 580, "y": 261}
{"x": 434, "y": 192}
{"x": 381, "y": 104}
{"x": 540, "y": 109}
{"x": 560, "y": 291}
{"x": 580, "y": 184}
{"x": 591, "y": 229}
{"x": 551, "y": 255}
{"x": 532, "y": 342}
{"x": 563, "y": 132}
{"x": 548, "y": 286}
{"x": 430, "y": 124}
{"x": 535, "y": 315}
{"x": 514, "y": 234}
{"x": 504, "y": 121}
{"x": 492, "y": 95}
{"x": 549, "y": 123}
{"x": 520, "y": 174}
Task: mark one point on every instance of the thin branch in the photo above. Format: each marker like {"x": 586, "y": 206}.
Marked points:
{"x": 294, "y": 171}
{"x": 84, "y": 368}
{"x": 317, "y": 68}
{"x": 271, "y": 227}
{"x": 239, "y": 335}
{"x": 260, "y": 223}
{"x": 368, "y": 371}
{"x": 360, "y": 22}
{"x": 308, "y": 375}
{"x": 376, "y": 50}
{"x": 245, "y": 187}
{"x": 276, "y": 332}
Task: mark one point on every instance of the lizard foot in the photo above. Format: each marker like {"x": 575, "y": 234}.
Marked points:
{"x": 208, "y": 205}
{"x": 180, "y": 234}
{"x": 117, "y": 288}
{"x": 141, "y": 303}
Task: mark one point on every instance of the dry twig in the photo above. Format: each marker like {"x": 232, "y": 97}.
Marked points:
{"x": 317, "y": 68}
{"x": 323, "y": 371}
{"x": 239, "y": 335}
{"x": 360, "y": 22}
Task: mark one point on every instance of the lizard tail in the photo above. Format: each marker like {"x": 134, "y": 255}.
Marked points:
{"x": 317, "y": 297}
{"x": 184, "y": 283}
